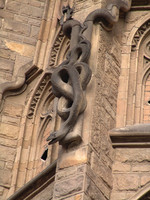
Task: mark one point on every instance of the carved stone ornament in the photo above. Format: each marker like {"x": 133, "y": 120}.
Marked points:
{"x": 69, "y": 80}
{"x": 139, "y": 33}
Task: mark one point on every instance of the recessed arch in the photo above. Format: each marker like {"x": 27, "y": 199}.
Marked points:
{"x": 35, "y": 124}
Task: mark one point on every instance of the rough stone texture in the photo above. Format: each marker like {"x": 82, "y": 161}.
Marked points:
{"x": 70, "y": 186}
{"x": 93, "y": 170}
{"x": 19, "y": 27}
{"x": 45, "y": 194}
{"x": 130, "y": 172}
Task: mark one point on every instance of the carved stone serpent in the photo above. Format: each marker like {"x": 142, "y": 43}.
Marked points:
{"x": 69, "y": 80}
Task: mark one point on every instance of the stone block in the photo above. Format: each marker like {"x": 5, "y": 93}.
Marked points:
{"x": 121, "y": 167}
{"x": 71, "y": 158}
{"x": 11, "y": 120}
{"x": 31, "y": 11}
{"x": 70, "y": 186}
{"x": 6, "y": 14}
{"x": 34, "y": 31}
{"x": 2, "y": 164}
{"x": 20, "y": 18}
{"x": 5, "y": 53}
{"x": 71, "y": 171}
{"x": 92, "y": 190}
{"x": 126, "y": 181}
{"x": 121, "y": 195}
{"x": 9, "y": 130}
{"x": 8, "y": 142}
{"x": 22, "y": 49}
{"x": 28, "y": 40}
{"x": 133, "y": 155}
{"x": 36, "y": 3}
{"x": 99, "y": 182}
{"x": 13, "y": 6}
{"x": 141, "y": 167}
{"x": 7, "y": 153}
{"x": 34, "y": 22}
{"x": 6, "y": 65}
{"x": 5, "y": 177}
{"x": 13, "y": 109}
{"x": 45, "y": 194}
{"x": 101, "y": 170}
{"x": 74, "y": 197}
{"x": 17, "y": 27}
{"x": 145, "y": 179}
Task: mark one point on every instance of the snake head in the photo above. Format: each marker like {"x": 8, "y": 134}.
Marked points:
{"x": 53, "y": 138}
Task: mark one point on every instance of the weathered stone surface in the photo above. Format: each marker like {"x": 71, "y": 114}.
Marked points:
{"x": 6, "y": 65}
{"x": 126, "y": 181}
{"x": 11, "y": 120}
{"x": 132, "y": 155}
{"x": 6, "y": 14}
{"x": 13, "y": 110}
{"x": 7, "y": 153}
{"x": 34, "y": 31}
{"x": 75, "y": 197}
{"x": 9, "y": 130}
{"x": 13, "y": 6}
{"x": 31, "y": 11}
{"x": 121, "y": 167}
{"x": 69, "y": 186}
{"x": 5, "y": 177}
{"x": 145, "y": 179}
{"x": 71, "y": 171}
{"x": 121, "y": 195}
{"x": 22, "y": 49}
{"x": 20, "y": 28}
{"x": 93, "y": 191}
{"x": 71, "y": 158}
{"x": 2, "y": 164}
{"x": 45, "y": 194}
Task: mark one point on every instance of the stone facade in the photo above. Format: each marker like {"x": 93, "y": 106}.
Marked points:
{"x": 106, "y": 154}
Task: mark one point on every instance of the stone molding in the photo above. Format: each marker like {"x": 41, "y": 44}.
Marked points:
{"x": 140, "y": 195}
{"x": 33, "y": 187}
{"x": 25, "y": 75}
{"x": 137, "y": 135}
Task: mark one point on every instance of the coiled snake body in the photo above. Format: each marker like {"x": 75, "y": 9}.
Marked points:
{"x": 69, "y": 80}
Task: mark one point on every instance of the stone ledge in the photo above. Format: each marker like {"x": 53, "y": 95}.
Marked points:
{"x": 36, "y": 185}
{"x": 137, "y": 135}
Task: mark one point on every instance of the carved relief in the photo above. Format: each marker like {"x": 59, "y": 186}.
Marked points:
{"x": 37, "y": 95}
{"x": 55, "y": 49}
{"x": 69, "y": 80}
{"x": 139, "y": 33}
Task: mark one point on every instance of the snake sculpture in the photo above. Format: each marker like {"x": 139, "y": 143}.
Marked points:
{"x": 69, "y": 80}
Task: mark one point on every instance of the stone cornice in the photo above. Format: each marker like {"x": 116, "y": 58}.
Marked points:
{"x": 137, "y": 135}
